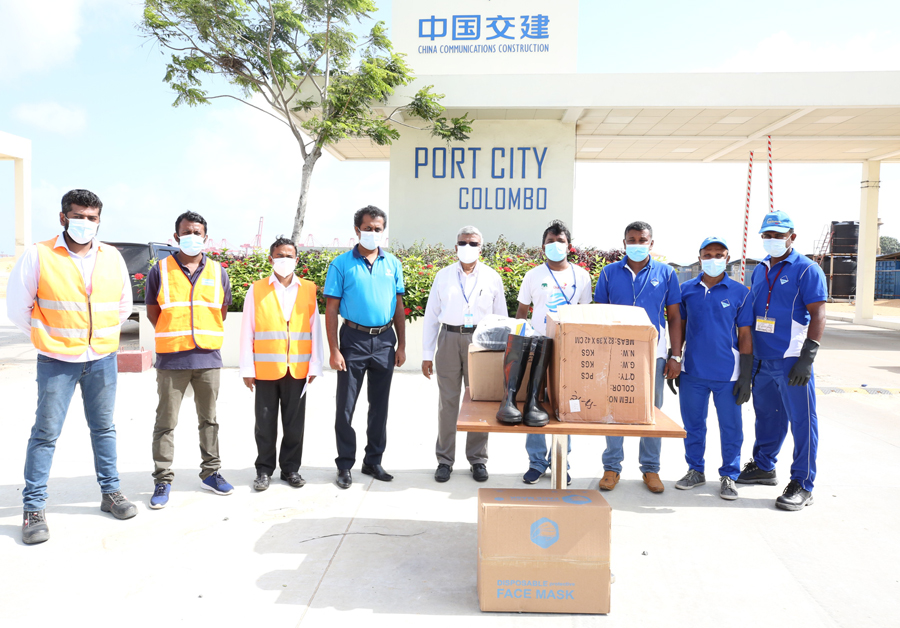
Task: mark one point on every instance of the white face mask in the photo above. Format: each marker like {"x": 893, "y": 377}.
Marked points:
{"x": 468, "y": 254}
{"x": 284, "y": 266}
{"x": 371, "y": 240}
{"x": 775, "y": 247}
{"x": 191, "y": 244}
{"x": 713, "y": 267}
{"x": 82, "y": 230}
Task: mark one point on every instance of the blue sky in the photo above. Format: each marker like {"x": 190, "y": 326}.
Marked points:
{"x": 77, "y": 79}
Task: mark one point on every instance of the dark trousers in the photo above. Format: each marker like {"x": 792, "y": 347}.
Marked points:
{"x": 269, "y": 395}
{"x": 371, "y": 356}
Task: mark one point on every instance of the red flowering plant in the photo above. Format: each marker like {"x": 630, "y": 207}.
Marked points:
{"x": 139, "y": 280}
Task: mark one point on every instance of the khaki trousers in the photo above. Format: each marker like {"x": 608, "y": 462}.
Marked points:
{"x": 171, "y": 385}
{"x": 451, "y": 366}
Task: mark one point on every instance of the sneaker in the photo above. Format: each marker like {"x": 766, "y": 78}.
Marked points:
{"x": 34, "y": 527}
{"x": 442, "y": 474}
{"x": 532, "y": 476}
{"x": 727, "y": 489}
{"x": 795, "y": 497}
{"x": 691, "y": 479}
{"x": 217, "y": 484}
{"x": 160, "y": 495}
{"x": 752, "y": 474}
{"x": 117, "y": 504}
{"x": 568, "y": 479}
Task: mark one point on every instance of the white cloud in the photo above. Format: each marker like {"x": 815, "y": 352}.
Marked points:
{"x": 783, "y": 53}
{"x": 37, "y": 36}
{"x": 53, "y": 117}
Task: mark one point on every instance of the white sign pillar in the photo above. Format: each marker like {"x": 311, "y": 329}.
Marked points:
{"x": 868, "y": 242}
{"x": 23, "y": 203}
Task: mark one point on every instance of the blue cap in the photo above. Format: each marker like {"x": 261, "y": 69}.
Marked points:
{"x": 713, "y": 240}
{"x": 778, "y": 222}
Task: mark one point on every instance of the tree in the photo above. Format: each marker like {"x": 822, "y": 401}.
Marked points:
{"x": 302, "y": 57}
{"x": 889, "y": 245}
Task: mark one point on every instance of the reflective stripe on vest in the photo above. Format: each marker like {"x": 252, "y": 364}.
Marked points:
{"x": 64, "y": 319}
{"x": 279, "y": 345}
{"x": 190, "y": 314}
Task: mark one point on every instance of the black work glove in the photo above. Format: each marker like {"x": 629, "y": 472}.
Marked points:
{"x": 742, "y": 385}
{"x": 802, "y": 370}
{"x": 673, "y": 383}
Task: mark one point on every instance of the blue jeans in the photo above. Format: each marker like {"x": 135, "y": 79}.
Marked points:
{"x": 778, "y": 406}
{"x": 56, "y": 384}
{"x": 648, "y": 454}
{"x": 694, "y": 397}
{"x": 538, "y": 456}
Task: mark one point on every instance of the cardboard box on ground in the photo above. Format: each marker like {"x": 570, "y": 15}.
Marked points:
{"x": 543, "y": 551}
{"x": 603, "y": 366}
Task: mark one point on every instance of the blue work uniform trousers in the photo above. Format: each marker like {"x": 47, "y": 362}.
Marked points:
{"x": 648, "y": 455}
{"x": 778, "y": 405}
{"x": 372, "y": 358}
{"x": 694, "y": 398}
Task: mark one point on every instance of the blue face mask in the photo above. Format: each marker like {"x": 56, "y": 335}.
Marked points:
{"x": 81, "y": 230}
{"x": 775, "y": 247}
{"x": 556, "y": 251}
{"x": 713, "y": 267}
{"x": 637, "y": 252}
{"x": 191, "y": 244}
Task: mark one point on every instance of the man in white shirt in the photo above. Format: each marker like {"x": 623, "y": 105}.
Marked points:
{"x": 70, "y": 295}
{"x": 461, "y": 295}
{"x": 281, "y": 353}
{"x": 544, "y": 288}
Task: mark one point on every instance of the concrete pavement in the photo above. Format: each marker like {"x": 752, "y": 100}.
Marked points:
{"x": 403, "y": 553}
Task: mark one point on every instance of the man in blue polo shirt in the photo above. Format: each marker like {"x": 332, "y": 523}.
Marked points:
{"x": 788, "y": 292}
{"x": 718, "y": 358}
{"x": 643, "y": 282}
{"x": 365, "y": 286}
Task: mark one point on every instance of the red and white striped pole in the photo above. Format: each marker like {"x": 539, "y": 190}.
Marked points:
{"x": 747, "y": 217}
{"x": 771, "y": 193}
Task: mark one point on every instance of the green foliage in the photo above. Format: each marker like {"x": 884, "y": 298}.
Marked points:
{"x": 889, "y": 245}
{"x": 420, "y": 264}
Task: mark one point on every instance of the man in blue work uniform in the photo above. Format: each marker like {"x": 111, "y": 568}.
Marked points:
{"x": 718, "y": 358}
{"x": 788, "y": 292}
{"x": 364, "y": 285}
{"x": 643, "y": 282}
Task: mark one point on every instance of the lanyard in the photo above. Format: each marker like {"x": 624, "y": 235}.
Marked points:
{"x": 574, "y": 284}
{"x": 463, "y": 289}
{"x": 771, "y": 286}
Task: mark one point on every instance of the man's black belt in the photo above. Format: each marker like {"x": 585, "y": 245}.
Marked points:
{"x": 459, "y": 329}
{"x": 372, "y": 331}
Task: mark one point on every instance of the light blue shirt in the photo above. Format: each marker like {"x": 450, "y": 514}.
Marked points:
{"x": 368, "y": 293}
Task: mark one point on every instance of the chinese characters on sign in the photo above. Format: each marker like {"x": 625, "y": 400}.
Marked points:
{"x": 468, "y": 28}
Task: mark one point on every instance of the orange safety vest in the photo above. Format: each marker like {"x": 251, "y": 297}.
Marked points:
{"x": 190, "y": 314}
{"x": 65, "y": 319}
{"x": 279, "y": 344}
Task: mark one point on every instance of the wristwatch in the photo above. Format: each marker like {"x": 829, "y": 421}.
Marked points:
{"x": 677, "y": 358}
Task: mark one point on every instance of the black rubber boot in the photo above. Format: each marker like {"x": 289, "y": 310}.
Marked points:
{"x": 514, "y": 362}
{"x": 535, "y": 416}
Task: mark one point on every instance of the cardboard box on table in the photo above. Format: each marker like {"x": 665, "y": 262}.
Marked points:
{"x": 486, "y": 375}
{"x": 543, "y": 551}
{"x": 603, "y": 364}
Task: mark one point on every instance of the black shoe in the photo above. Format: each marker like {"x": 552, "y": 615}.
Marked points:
{"x": 515, "y": 360}
{"x": 261, "y": 482}
{"x": 377, "y": 472}
{"x": 752, "y": 474}
{"x": 118, "y": 505}
{"x": 534, "y": 413}
{"x": 443, "y": 472}
{"x": 479, "y": 472}
{"x": 34, "y": 527}
{"x": 344, "y": 479}
{"x": 795, "y": 497}
{"x": 293, "y": 478}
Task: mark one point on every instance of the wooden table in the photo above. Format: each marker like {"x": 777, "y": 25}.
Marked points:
{"x": 480, "y": 416}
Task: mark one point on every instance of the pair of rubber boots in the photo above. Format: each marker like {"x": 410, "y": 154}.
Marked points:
{"x": 515, "y": 361}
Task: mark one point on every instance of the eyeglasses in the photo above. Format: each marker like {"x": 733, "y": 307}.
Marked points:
{"x": 461, "y": 243}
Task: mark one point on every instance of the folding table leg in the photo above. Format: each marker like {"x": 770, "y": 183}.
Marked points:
{"x": 558, "y": 461}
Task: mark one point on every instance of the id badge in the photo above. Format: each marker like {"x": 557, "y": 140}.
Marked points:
{"x": 765, "y": 325}
{"x": 468, "y": 320}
